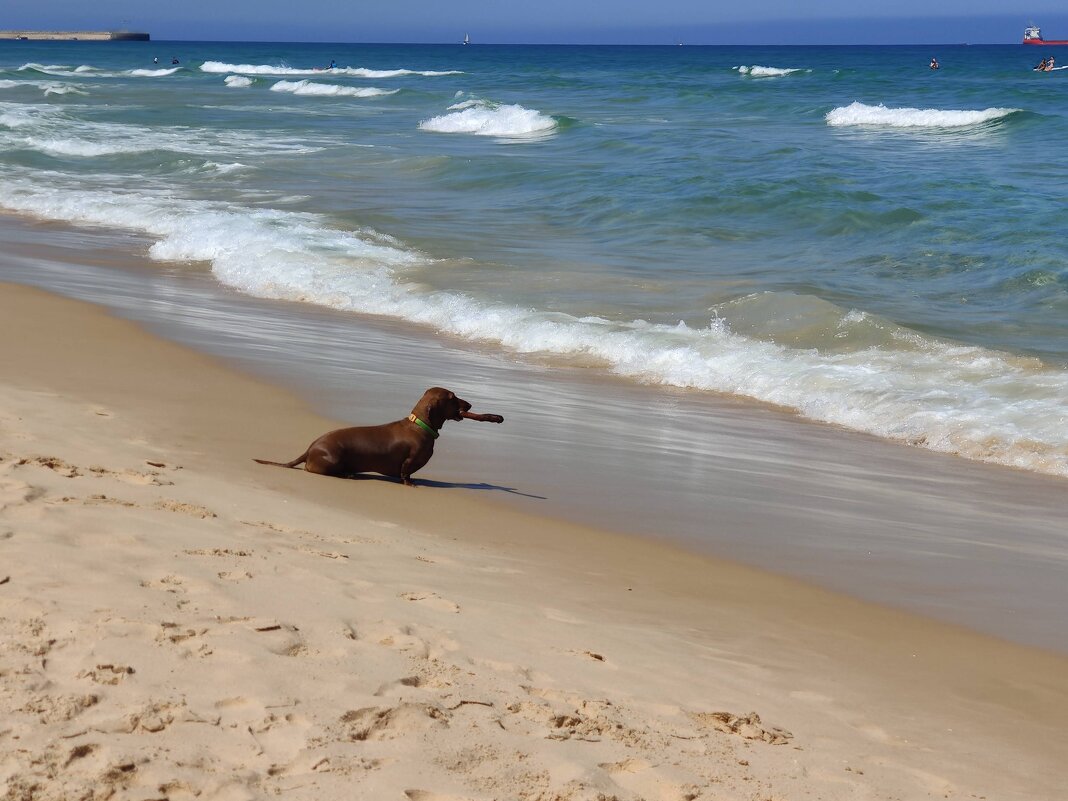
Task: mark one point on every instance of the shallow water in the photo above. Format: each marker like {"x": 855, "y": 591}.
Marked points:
{"x": 974, "y": 544}
{"x": 837, "y": 230}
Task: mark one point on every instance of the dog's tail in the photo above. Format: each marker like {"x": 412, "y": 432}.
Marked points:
{"x": 294, "y": 463}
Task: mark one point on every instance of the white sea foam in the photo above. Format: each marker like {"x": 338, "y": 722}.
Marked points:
{"x": 48, "y": 69}
{"x": 861, "y": 114}
{"x": 487, "y": 119}
{"x": 49, "y": 130}
{"x": 355, "y": 72}
{"x": 958, "y": 399}
{"x": 152, "y": 73}
{"x": 75, "y": 147}
{"x": 86, "y": 70}
{"x": 311, "y": 88}
{"x": 757, "y": 71}
{"x": 237, "y": 81}
{"x": 465, "y": 104}
{"x": 48, "y": 87}
{"x": 62, "y": 89}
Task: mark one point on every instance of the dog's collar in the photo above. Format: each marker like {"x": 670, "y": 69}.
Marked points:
{"x": 433, "y": 434}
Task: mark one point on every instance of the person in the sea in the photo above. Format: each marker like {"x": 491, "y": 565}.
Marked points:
{"x": 155, "y": 59}
{"x": 333, "y": 64}
{"x": 175, "y": 61}
{"x": 1049, "y": 64}
{"x": 1041, "y": 66}
{"x": 934, "y": 63}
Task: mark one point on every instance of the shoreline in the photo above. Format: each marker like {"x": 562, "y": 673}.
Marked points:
{"x": 487, "y": 605}
{"x": 967, "y": 543}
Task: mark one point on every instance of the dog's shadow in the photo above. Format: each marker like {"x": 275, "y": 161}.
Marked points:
{"x": 429, "y": 482}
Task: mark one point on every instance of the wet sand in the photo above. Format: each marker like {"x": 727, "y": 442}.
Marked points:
{"x": 968, "y": 543}
{"x": 177, "y": 621}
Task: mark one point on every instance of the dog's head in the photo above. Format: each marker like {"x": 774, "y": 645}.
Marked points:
{"x": 438, "y": 405}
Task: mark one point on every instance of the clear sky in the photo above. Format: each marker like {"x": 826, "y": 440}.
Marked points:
{"x": 555, "y": 21}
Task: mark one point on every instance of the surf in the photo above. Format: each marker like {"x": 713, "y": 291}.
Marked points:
{"x": 860, "y": 114}
{"x": 483, "y": 118}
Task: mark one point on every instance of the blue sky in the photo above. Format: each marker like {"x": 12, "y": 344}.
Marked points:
{"x": 554, "y": 21}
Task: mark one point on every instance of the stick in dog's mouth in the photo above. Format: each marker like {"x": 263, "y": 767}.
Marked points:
{"x": 483, "y": 418}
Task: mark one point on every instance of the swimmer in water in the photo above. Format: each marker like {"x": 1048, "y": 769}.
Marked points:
{"x": 934, "y": 64}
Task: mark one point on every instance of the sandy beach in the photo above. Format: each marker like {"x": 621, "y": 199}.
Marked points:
{"x": 179, "y": 622}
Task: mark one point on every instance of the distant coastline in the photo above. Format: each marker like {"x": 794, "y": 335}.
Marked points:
{"x": 75, "y": 36}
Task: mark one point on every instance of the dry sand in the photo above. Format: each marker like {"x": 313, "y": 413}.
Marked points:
{"x": 177, "y": 622}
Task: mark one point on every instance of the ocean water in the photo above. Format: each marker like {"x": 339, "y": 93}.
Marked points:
{"x": 839, "y": 231}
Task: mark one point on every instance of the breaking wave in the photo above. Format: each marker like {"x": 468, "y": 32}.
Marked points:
{"x": 861, "y": 114}
{"x": 47, "y": 129}
{"x": 958, "y": 399}
{"x": 482, "y": 118}
{"x": 756, "y": 71}
{"x": 355, "y": 72}
{"x": 237, "y": 81}
{"x": 151, "y": 73}
{"x": 306, "y": 87}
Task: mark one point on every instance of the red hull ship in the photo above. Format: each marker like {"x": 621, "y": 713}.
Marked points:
{"x": 1033, "y": 36}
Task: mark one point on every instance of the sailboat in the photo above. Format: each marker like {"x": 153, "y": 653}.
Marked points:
{"x": 467, "y": 39}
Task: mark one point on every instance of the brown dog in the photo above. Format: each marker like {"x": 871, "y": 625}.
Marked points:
{"x": 395, "y": 449}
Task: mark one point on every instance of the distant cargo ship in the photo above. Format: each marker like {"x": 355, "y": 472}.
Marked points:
{"x": 75, "y": 36}
{"x": 1033, "y": 36}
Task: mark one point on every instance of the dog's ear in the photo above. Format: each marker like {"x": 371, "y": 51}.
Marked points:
{"x": 437, "y": 406}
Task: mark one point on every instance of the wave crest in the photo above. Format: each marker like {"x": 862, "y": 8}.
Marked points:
{"x": 329, "y": 89}
{"x": 355, "y": 72}
{"x": 757, "y": 71}
{"x": 152, "y": 73}
{"x": 861, "y": 114}
{"x": 481, "y": 118}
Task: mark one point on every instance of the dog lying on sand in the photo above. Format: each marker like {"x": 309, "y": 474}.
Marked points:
{"x": 395, "y": 449}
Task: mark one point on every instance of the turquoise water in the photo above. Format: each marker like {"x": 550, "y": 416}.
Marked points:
{"x": 837, "y": 230}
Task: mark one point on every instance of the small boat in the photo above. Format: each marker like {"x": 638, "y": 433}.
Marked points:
{"x": 467, "y": 39}
{"x": 1033, "y": 36}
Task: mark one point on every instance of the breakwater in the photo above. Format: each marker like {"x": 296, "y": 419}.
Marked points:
{"x": 75, "y": 36}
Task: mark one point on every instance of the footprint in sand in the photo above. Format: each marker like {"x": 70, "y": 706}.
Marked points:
{"x": 169, "y": 583}
{"x": 283, "y": 639}
{"x": 153, "y": 718}
{"x": 53, "y": 463}
{"x": 432, "y": 600}
{"x": 216, "y": 552}
{"x": 174, "y": 633}
{"x": 748, "y": 726}
{"x": 57, "y": 708}
{"x": 13, "y": 495}
{"x": 101, "y": 500}
{"x": 137, "y": 477}
{"x": 387, "y": 723}
{"x": 184, "y": 508}
{"x": 235, "y": 575}
{"x": 107, "y": 674}
{"x": 399, "y": 685}
{"x": 427, "y": 795}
